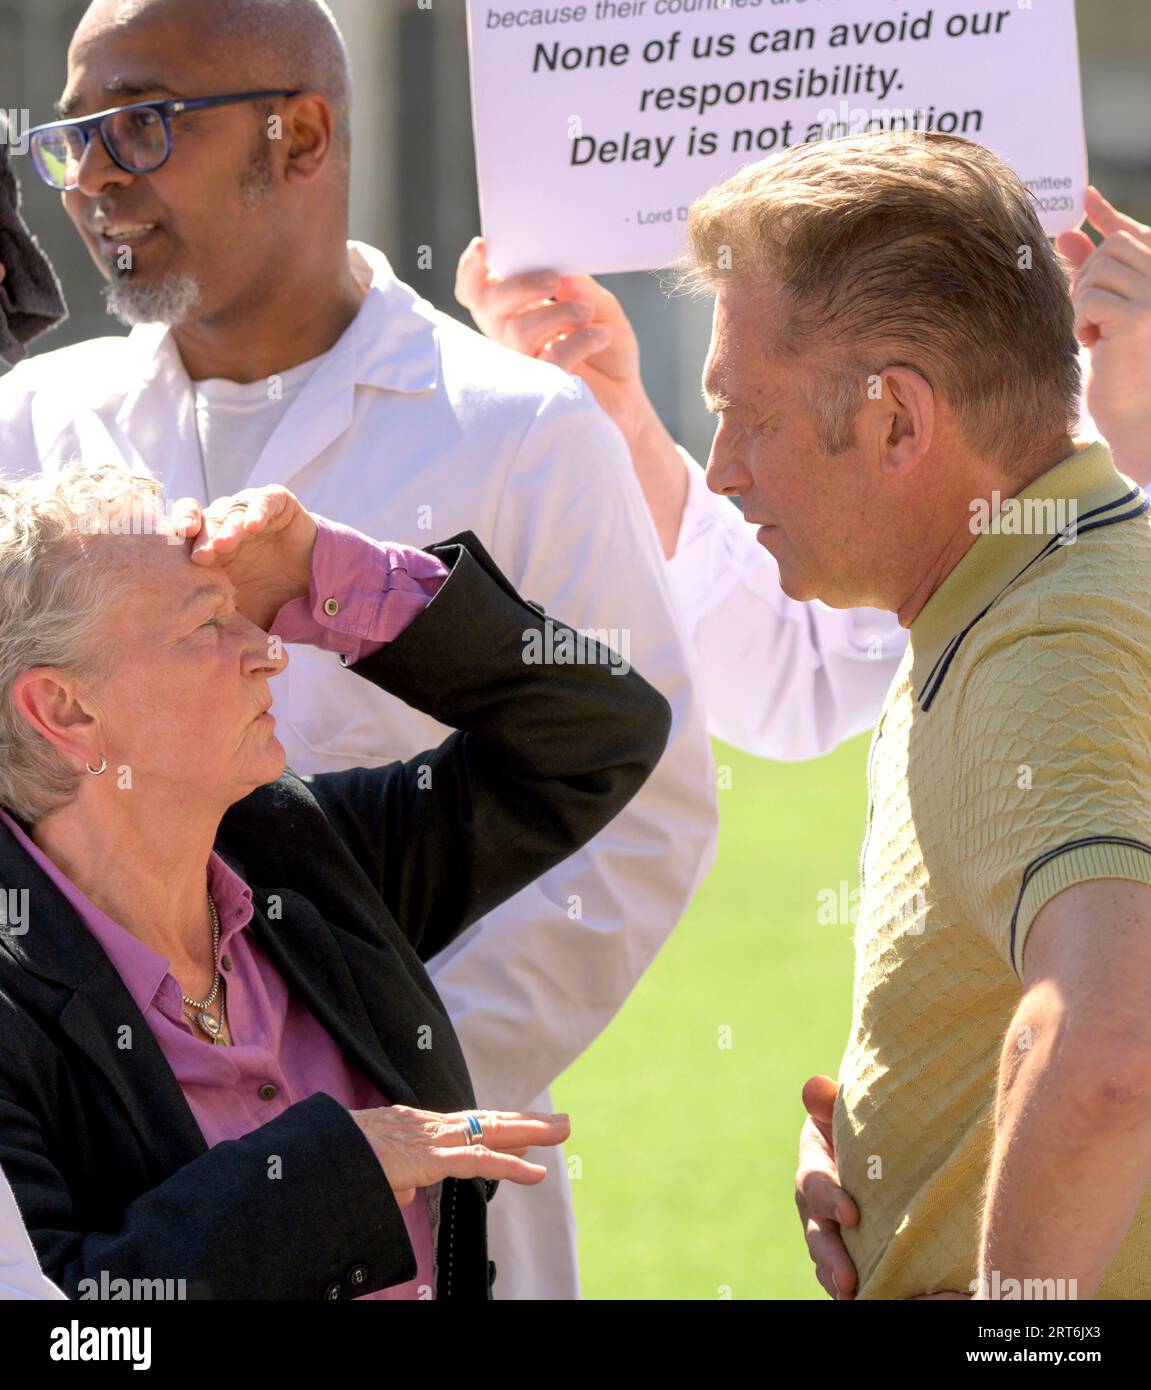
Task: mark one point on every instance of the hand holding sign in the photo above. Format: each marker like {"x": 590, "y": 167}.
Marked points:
{"x": 1112, "y": 296}
{"x": 570, "y": 321}
{"x": 575, "y": 324}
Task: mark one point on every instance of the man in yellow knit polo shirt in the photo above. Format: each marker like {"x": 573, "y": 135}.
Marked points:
{"x": 895, "y": 368}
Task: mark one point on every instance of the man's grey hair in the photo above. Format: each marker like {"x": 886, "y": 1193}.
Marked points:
{"x": 59, "y": 581}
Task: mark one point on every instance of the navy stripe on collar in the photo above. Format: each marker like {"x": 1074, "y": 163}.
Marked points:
{"x": 934, "y": 681}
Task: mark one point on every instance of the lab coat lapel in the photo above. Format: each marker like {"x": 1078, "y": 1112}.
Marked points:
{"x": 390, "y": 345}
{"x": 316, "y": 418}
{"x": 158, "y": 414}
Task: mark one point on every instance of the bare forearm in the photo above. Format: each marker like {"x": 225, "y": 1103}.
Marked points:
{"x": 1070, "y": 1162}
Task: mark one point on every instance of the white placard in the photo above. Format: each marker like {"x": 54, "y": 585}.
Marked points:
{"x": 598, "y": 122}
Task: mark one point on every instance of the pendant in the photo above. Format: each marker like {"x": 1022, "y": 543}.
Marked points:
{"x": 210, "y": 1025}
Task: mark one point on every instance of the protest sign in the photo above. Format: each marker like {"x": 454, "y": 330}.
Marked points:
{"x": 597, "y": 123}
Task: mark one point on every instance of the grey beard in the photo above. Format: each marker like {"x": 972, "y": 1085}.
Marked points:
{"x": 169, "y": 300}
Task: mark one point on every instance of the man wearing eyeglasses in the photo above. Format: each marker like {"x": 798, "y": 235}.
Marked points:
{"x": 203, "y": 152}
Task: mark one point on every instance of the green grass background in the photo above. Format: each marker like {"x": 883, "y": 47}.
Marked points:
{"x": 687, "y": 1150}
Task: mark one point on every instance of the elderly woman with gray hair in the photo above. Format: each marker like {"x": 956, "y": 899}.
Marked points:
{"x": 222, "y": 1061}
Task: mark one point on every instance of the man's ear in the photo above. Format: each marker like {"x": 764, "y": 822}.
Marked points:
{"x": 308, "y": 123}
{"x": 48, "y": 701}
{"x": 908, "y": 414}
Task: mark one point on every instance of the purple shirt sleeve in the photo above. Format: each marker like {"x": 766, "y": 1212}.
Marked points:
{"x": 363, "y": 593}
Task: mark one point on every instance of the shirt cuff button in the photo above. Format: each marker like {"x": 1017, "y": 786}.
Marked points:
{"x": 331, "y": 607}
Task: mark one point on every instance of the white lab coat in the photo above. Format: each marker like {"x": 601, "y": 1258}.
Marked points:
{"x": 20, "y": 1273}
{"x": 414, "y": 428}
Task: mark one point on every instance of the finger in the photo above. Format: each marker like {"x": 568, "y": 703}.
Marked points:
{"x": 221, "y": 534}
{"x": 1097, "y": 310}
{"x": 503, "y": 298}
{"x": 817, "y": 1187}
{"x": 233, "y": 521}
{"x": 471, "y": 272}
{"x": 574, "y": 349}
{"x": 1077, "y": 247}
{"x": 265, "y": 506}
{"x": 211, "y": 520}
{"x": 584, "y": 287}
{"x": 481, "y": 1162}
{"x": 823, "y": 1197}
{"x": 496, "y": 301}
{"x": 819, "y": 1098}
{"x": 493, "y": 1117}
{"x": 1087, "y": 333}
{"x": 829, "y": 1255}
{"x": 1107, "y": 219}
{"x": 529, "y": 331}
{"x": 1127, "y": 250}
{"x": 477, "y": 288}
{"x": 508, "y": 1129}
{"x": 1106, "y": 273}
{"x": 186, "y": 516}
{"x": 825, "y": 1283}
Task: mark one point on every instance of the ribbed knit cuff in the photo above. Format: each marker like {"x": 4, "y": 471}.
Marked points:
{"x": 1080, "y": 861}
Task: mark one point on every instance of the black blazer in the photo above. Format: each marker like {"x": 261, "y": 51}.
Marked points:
{"x": 357, "y": 878}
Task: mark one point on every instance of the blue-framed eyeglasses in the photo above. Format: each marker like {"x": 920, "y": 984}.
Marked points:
{"x": 137, "y": 137}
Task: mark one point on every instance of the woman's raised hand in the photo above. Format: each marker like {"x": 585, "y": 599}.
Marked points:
{"x": 263, "y": 537}
{"x": 417, "y": 1148}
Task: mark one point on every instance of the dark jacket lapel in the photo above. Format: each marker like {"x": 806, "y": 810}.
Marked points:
{"x": 58, "y": 948}
{"x": 303, "y": 948}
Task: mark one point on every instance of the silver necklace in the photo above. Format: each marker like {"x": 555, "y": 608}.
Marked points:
{"x": 205, "y": 1020}
{"x": 214, "y": 1027}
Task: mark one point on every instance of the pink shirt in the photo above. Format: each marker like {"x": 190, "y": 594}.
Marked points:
{"x": 281, "y": 1053}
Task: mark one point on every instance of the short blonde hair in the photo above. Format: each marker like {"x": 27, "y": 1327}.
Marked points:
{"x": 58, "y": 581}
{"x": 913, "y": 248}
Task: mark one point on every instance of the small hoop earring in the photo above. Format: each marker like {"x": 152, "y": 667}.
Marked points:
{"x": 96, "y": 771}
